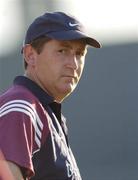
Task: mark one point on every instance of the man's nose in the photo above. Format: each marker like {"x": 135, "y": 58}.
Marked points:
{"x": 73, "y": 62}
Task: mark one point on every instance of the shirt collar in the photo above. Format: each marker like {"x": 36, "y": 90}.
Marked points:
{"x": 43, "y": 97}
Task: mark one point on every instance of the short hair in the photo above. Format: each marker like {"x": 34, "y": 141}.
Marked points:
{"x": 38, "y": 45}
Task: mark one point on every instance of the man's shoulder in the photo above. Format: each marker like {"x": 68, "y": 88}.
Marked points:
{"x": 17, "y": 92}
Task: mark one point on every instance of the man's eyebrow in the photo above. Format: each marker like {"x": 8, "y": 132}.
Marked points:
{"x": 65, "y": 44}
{"x": 68, "y": 45}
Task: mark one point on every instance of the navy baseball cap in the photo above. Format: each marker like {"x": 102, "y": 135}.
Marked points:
{"x": 59, "y": 26}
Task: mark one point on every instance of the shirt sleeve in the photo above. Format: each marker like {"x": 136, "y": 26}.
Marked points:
{"x": 17, "y": 137}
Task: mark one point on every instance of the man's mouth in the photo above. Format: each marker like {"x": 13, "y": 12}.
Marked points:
{"x": 71, "y": 77}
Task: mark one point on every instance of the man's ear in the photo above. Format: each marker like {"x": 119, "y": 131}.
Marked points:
{"x": 30, "y": 55}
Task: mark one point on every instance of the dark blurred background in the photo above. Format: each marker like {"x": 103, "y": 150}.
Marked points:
{"x": 102, "y": 112}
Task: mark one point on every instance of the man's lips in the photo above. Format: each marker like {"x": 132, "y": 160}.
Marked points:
{"x": 70, "y": 77}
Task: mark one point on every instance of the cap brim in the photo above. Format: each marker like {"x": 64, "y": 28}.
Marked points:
{"x": 72, "y": 35}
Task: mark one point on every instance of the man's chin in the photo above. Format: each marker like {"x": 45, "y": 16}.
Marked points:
{"x": 68, "y": 89}
{"x": 64, "y": 92}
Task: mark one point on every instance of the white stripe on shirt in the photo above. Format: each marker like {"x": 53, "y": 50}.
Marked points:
{"x": 28, "y": 109}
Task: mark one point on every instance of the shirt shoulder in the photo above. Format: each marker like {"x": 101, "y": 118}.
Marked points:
{"x": 20, "y": 104}
{"x": 17, "y": 92}
{"x": 23, "y": 117}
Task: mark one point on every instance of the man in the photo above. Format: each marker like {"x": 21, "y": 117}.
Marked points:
{"x": 33, "y": 132}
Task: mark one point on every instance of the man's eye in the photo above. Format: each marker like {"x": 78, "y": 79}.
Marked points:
{"x": 62, "y": 51}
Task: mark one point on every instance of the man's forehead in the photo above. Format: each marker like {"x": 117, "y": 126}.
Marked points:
{"x": 80, "y": 43}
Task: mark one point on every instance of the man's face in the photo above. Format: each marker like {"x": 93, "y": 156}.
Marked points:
{"x": 59, "y": 66}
